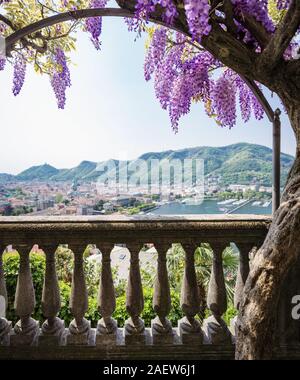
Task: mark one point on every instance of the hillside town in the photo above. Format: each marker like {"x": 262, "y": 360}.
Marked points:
{"x": 79, "y": 198}
{"x": 170, "y": 182}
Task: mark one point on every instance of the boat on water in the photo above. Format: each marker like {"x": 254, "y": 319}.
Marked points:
{"x": 267, "y": 204}
{"x": 227, "y": 202}
{"x": 256, "y": 203}
{"x": 240, "y": 202}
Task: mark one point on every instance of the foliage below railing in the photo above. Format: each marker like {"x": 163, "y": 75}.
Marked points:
{"x": 64, "y": 268}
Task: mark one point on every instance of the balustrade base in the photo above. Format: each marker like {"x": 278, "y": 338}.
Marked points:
{"x": 162, "y": 339}
{"x": 122, "y": 351}
{"x": 52, "y": 340}
{"x": 23, "y": 339}
{"x": 52, "y": 334}
{"x": 49, "y": 341}
{"x": 84, "y": 339}
{"x": 161, "y": 334}
{"x": 109, "y": 339}
{"x": 217, "y": 331}
{"x": 134, "y": 339}
{"x": 147, "y": 352}
{"x": 5, "y": 333}
{"x": 188, "y": 337}
{"x": 5, "y": 341}
{"x": 135, "y": 333}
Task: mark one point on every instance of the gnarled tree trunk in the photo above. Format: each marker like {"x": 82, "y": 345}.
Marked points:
{"x": 257, "y": 321}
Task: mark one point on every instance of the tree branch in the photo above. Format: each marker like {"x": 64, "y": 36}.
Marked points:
{"x": 221, "y": 44}
{"x": 257, "y": 30}
{"x": 281, "y": 39}
{"x": 230, "y": 51}
{"x": 227, "y": 6}
{"x": 7, "y": 22}
{"x": 13, "y": 38}
{"x": 261, "y": 97}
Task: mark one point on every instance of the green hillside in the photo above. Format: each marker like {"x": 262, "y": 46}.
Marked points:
{"x": 78, "y": 173}
{"x": 41, "y": 173}
{"x": 237, "y": 164}
{"x": 4, "y": 178}
{"x": 240, "y": 163}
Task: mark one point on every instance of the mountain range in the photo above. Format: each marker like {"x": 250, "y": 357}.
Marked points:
{"x": 240, "y": 163}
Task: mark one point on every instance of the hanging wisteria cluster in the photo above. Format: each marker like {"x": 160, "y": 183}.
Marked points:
{"x": 181, "y": 77}
{"x": 179, "y": 81}
{"x": 19, "y": 74}
{"x": 94, "y": 24}
{"x": 60, "y": 77}
{"x": 2, "y": 58}
{"x": 182, "y": 71}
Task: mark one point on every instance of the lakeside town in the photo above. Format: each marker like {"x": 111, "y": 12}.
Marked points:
{"x": 83, "y": 198}
{"x": 203, "y": 180}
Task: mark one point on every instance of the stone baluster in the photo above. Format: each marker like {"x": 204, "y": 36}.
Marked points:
{"x": 5, "y": 325}
{"x": 243, "y": 272}
{"x": 79, "y": 328}
{"x": 189, "y": 328}
{"x": 26, "y": 329}
{"x": 134, "y": 326}
{"x": 53, "y": 328}
{"x": 214, "y": 326}
{"x": 242, "y": 275}
{"x": 107, "y": 327}
{"x": 162, "y": 332}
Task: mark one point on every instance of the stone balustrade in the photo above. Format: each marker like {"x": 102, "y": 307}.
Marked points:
{"x": 189, "y": 338}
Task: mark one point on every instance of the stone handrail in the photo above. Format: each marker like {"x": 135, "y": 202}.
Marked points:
{"x": 246, "y": 232}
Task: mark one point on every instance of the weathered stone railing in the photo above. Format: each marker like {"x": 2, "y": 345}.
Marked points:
{"x": 189, "y": 339}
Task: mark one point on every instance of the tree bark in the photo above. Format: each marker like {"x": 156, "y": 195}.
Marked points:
{"x": 257, "y": 321}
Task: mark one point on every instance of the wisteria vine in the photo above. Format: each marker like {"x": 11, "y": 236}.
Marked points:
{"x": 181, "y": 70}
{"x": 60, "y": 77}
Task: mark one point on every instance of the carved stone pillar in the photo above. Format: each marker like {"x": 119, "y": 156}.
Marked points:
{"x": 79, "y": 328}
{"x": 242, "y": 275}
{"x": 243, "y": 272}
{"x": 107, "y": 327}
{"x": 5, "y": 325}
{"x": 26, "y": 329}
{"x": 162, "y": 332}
{"x": 134, "y": 326}
{"x": 53, "y": 328}
{"x": 214, "y": 326}
{"x": 189, "y": 328}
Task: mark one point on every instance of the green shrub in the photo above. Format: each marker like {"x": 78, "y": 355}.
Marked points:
{"x": 93, "y": 314}
{"x": 65, "y": 293}
{"x": 64, "y": 264}
{"x": 231, "y": 312}
{"x": 11, "y": 268}
{"x": 148, "y": 313}
{"x": 64, "y": 267}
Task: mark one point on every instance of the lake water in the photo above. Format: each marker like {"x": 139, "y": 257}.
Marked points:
{"x": 209, "y": 207}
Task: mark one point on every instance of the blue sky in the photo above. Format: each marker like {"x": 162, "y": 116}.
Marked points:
{"x": 111, "y": 112}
